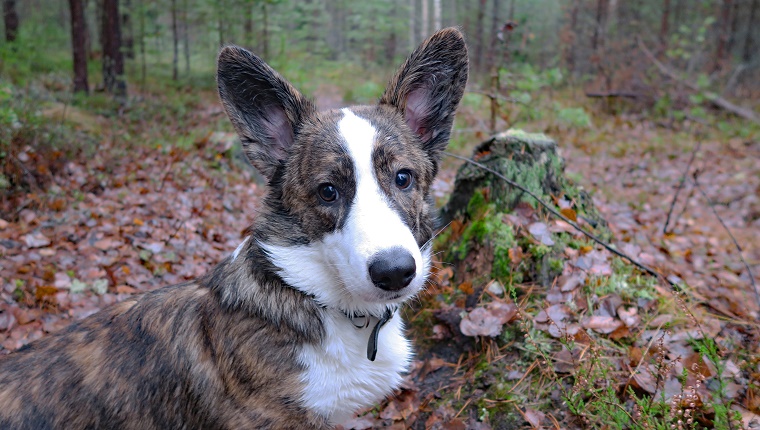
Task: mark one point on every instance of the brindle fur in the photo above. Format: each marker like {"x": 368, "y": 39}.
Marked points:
{"x": 222, "y": 352}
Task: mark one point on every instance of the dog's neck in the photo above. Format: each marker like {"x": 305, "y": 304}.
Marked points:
{"x": 248, "y": 281}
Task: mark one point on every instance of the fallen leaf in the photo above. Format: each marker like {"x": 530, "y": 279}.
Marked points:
{"x": 42, "y": 292}
{"x": 570, "y": 282}
{"x": 644, "y": 380}
{"x": 36, "y": 240}
{"x": 563, "y": 361}
{"x": 496, "y": 288}
{"x": 541, "y": 233}
{"x": 516, "y": 255}
{"x": 455, "y": 424}
{"x": 534, "y": 417}
{"x": 487, "y": 321}
{"x": 570, "y": 214}
{"x": 601, "y": 324}
{"x": 480, "y": 322}
{"x": 359, "y": 423}
{"x": 466, "y": 287}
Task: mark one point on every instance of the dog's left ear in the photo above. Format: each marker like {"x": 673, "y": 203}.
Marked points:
{"x": 428, "y": 87}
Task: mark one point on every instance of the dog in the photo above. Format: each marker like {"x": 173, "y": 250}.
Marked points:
{"x": 299, "y": 327}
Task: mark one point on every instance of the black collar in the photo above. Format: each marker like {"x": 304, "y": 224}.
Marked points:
{"x": 362, "y": 321}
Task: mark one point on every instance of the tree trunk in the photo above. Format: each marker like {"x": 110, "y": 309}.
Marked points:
{"x": 78, "y": 47}
{"x": 723, "y": 30}
{"x": 492, "y": 50}
{"x": 425, "y": 15}
{"x": 664, "y": 26}
{"x": 113, "y": 60}
{"x": 186, "y": 34}
{"x": 248, "y": 24}
{"x": 437, "y": 14}
{"x": 220, "y": 21}
{"x": 265, "y": 33}
{"x": 10, "y": 17}
{"x": 597, "y": 38}
{"x": 143, "y": 60}
{"x": 479, "y": 29}
{"x": 129, "y": 34}
{"x": 175, "y": 42}
{"x": 412, "y": 22}
{"x": 732, "y": 35}
{"x": 392, "y": 40}
{"x": 748, "y": 40}
{"x": 87, "y": 35}
{"x": 571, "y": 37}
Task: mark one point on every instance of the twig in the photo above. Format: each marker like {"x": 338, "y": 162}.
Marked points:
{"x": 736, "y": 244}
{"x": 572, "y": 223}
{"x": 499, "y": 96}
{"x": 697, "y": 147}
{"x": 685, "y": 206}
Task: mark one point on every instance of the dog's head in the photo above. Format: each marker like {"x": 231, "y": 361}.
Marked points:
{"x": 348, "y": 214}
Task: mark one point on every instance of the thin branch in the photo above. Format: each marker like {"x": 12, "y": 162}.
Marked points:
{"x": 572, "y": 223}
{"x": 499, "y": 96}
{"x": 736, "y": 244}
{"x": 697, "y": 147}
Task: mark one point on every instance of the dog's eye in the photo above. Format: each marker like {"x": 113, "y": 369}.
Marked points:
{"x": 403, "y": 179}
{"x": 328, "y": 193}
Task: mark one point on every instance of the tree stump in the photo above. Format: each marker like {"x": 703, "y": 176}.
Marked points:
{"x": 484, "y": 212}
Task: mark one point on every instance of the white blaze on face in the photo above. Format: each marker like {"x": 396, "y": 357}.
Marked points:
{"x": 372, "y": 225}
{"x": 336, "y": 269}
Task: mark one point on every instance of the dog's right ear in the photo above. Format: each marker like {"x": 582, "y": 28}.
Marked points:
{"x": 264, "y": 108}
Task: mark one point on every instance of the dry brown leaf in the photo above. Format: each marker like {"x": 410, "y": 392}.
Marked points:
{"x": 570, "y": 214}
{"x": 44, "y": 291}
{"x": 601, "y": 324}
{"x": 35, "y": 240}
{"x": 466, "y": 287}
{"x": 644, "y": 380}
{"x": 540, "y": 232}
{"x": 454, "y": 424}
{"x": 534, "y": 417}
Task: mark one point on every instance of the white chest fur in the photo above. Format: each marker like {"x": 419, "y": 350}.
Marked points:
{"x": 339, "y": 379}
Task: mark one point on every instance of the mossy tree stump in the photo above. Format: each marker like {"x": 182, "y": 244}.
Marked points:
{"x": 481, "y": 242}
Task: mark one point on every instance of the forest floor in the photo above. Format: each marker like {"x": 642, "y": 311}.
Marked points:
{"x": 163, "y": 194}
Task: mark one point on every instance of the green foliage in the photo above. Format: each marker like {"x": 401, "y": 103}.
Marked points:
{"x": 573, "y": 117}
{"x": 367, "y": 92}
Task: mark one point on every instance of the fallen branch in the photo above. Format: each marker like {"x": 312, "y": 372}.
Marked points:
{"x": 736, "y": 244}
{"x": 612, "y": 94}
{"x": 722, "y": 103}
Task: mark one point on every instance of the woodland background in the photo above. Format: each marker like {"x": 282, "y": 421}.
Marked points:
{"x": 120, "y": 173}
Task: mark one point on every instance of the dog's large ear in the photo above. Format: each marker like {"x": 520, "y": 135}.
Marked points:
{"x": 264, "y": 108}
{"x": 428, "y": 87}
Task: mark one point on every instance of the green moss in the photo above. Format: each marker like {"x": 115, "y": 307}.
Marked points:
{"x": 525, "y": 136}
{"x": 477, "y": 204}
{"x": 625, "y": 281}
{"x": 487, "y": 228}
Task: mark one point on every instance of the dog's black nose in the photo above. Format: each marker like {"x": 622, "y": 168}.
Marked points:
{"x": 392, "y": 269}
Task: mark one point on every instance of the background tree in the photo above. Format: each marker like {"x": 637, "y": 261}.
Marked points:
{"x": 10, "y": 18}
{"x": 114, "y": 79}
{"x": 78, "y": 45}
